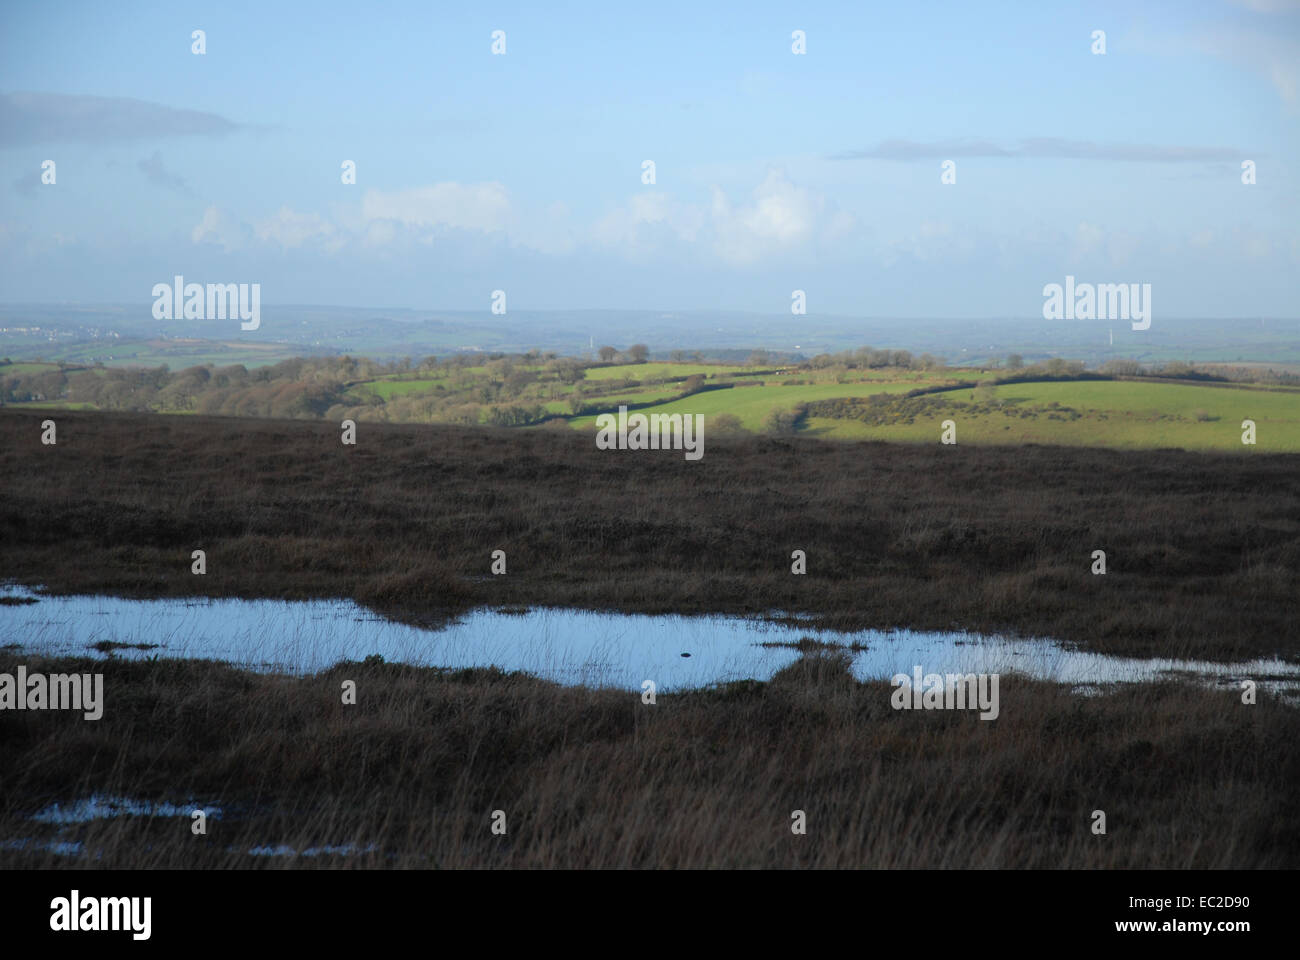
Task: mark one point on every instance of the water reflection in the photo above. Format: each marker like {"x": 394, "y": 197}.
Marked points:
{"x": 567, "y": 646}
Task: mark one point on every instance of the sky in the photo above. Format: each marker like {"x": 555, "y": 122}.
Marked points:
{"x": 775, "y": 171}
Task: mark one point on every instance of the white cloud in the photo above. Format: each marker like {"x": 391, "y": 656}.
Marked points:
{"x": 778, "y": 218}
{"x": 216, "y": 228}
{"x": 380, "y": 233}
{"x": 934, "y": 240}
{"x": 651, "y": 222}
{"x": 1090, "y": 241}
{"x": 1275, "y": 54}
{"x": 381, "y": 219}
{"x": 1088, "y": 238}
{"x": 552, "y": 233}
{"x": 477, "y": 206}
{"x": 1272, "y": 51}
{"x": 1253, "y": 244}
{"x": 289, "y": 230}
{"x": 1120, "y": 247}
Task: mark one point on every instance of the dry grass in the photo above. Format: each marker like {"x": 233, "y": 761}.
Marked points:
{"x": 1188, "y": 777}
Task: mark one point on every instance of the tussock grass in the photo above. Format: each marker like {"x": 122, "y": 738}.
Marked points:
{"x": 1188, "y": 777}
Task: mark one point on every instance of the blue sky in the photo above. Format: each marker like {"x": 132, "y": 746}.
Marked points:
{"x": 774, "y": 171}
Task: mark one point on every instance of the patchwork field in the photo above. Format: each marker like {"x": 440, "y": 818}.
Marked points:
{"x": 1122, "y": 414}
{"x": 833, "y": 398}
{"x": 753, "y": 404}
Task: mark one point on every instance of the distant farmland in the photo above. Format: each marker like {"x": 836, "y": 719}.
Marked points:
{"x": 838, "y": 398}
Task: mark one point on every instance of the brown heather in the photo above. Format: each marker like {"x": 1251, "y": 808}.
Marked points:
{"x": 1203, "y": 550}
{"x": 1187, "y": 777}
{"x": 1203, "y": 553}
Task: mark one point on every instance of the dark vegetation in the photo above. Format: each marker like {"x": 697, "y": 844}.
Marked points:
{"x": 1203, "y": 554}
{"x": 1203, "y": 550}
{"x": 410, "y": 774}
{"x": 885, "y": 409}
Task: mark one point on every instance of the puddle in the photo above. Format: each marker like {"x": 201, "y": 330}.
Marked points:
{"x": 283, "y": 850}
{"x": 62, "y": 848}
{"x": 97, "y": 807}
{"x": 567, "y": 646}
{"x": 100, "y": 807}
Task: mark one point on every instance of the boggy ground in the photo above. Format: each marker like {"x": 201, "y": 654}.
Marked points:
{"x": 1202, "y": 555}
{"x": 1203, "y": 550}
{"x": 410, "y": 775}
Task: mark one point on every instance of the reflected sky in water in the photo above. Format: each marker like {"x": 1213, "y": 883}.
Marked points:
{"x": 568, "y": 646}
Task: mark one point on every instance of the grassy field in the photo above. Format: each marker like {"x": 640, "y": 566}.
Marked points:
{"x": 1121, "y": 414}
{"x": 753, "y": 404}
{"x": 14, "y": 368}
{"x": 647, "y": 395}
{"x": 653, "y": 374}
{"x": 176, "y": 354}
{"x": 56, "y": 405}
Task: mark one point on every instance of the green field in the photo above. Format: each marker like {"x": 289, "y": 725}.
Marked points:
{"x": 651, "y": 373}
{"x": 55, "y": 405}
{"x": 1120, "y": 414}
{"x": 842, "y": 402}
{"x": 1125, "y": 414}
{"x": 1175, "y": 399}
{"x": 753, "y": 404}
{"x": 11, "y": 369}
{"x": 647, "y": 395}
{"x": 176, "y": 354}
{"x": 399, "y": 388}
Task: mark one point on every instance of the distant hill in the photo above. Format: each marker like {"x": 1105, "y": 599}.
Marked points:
{"x": 118, "y": 334}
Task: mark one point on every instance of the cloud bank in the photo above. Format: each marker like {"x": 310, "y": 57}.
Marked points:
{"x": 32, "y": 118}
